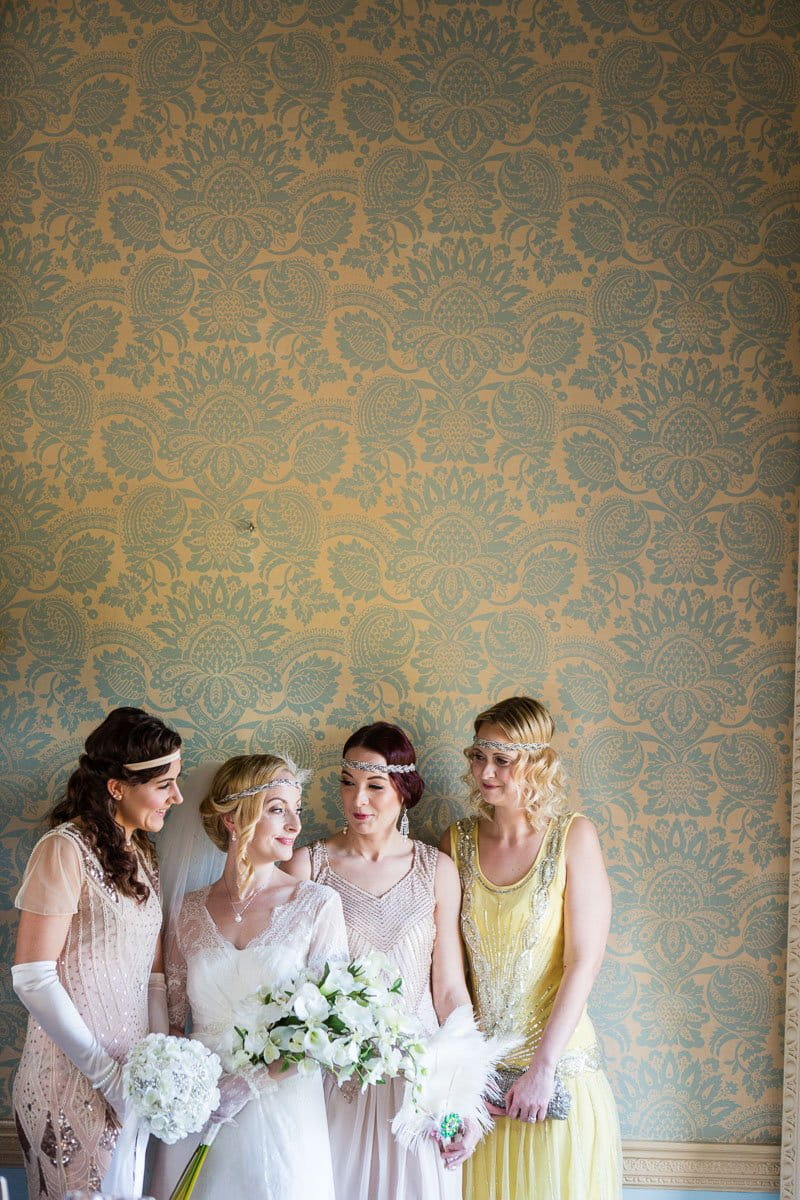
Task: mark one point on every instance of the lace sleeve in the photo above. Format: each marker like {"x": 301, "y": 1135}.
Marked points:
{"x": 328, "y": 934}
{"x": 175, "y": 971}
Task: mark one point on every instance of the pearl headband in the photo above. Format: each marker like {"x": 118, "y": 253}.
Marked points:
{"x": 153, "y": 762}
{"x": 492, "y": 745}
{"x": 384, "y": 768}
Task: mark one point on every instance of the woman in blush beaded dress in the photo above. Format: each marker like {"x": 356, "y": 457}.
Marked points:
{"x": 535, "y": 915}
{"x": 401, "y": 899}
{"x": 87, "y": 960}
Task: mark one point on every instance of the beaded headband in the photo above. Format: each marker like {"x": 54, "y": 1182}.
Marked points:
{"x": 263, "y": 787}
{"x": 153, "y": 762}
{"x": 492, "y": 745}
{"x": 383, "y": 768}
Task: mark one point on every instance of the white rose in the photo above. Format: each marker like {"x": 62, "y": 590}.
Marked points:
{"x": 309, "y": 1004}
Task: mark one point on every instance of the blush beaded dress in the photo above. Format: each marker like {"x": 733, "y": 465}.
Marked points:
{"x": 368, "y": 1162}
{"x": 67, "y": 1131}
{"x": 514, "y": 937}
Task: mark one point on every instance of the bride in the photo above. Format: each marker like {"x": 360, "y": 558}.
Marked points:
{"x": 253, "y": 924}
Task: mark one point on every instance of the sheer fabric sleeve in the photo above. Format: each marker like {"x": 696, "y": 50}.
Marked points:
{"x": 328, "y": 941}
{"x": 176, "y": 972}
{"x": 51, "y": 885}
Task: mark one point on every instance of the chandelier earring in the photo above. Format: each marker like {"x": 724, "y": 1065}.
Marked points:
{"x": 404, "y": 822}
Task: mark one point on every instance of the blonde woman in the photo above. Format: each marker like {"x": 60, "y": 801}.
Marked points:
{"x": 253, "y": 925}
{"x": 535, "y": 915}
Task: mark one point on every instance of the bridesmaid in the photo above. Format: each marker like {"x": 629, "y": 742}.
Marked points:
{"x": 88, "y": 940}
{"x": 400, "y": 898}
{"x": 535, "y": 918}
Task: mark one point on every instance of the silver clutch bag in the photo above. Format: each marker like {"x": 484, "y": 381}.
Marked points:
{"x": 560, "y": 1101}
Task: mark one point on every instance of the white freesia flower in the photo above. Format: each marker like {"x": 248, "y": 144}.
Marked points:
{"x": 317, "y": 1045}
{"x": 339, "y": 980}
{"x": 344, "y": 1052}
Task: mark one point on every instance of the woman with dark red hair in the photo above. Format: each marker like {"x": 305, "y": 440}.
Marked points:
{"x": 401, "y": 899}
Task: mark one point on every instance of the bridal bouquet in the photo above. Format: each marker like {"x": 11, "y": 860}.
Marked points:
{"x": 171, "y": 1083}
{"x": 346, "y": 1018}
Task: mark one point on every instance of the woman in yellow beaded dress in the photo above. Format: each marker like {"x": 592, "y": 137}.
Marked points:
{"x": 535, "y": 917}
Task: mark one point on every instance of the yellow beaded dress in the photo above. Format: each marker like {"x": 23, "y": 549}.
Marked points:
{"x": 514, "y": 936}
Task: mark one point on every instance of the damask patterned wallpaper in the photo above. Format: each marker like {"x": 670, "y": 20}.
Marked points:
{"x": 384, "y": 358}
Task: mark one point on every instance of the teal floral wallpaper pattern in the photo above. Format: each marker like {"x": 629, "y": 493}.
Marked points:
{"x": 363, "y": 358}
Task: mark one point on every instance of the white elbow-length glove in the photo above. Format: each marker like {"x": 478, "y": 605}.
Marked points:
{"x": 41, "y": 991}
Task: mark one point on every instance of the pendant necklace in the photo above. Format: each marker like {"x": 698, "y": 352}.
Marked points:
{"x": 242, "y": 909}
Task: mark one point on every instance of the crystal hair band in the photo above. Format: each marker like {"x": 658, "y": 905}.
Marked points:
{"x": 383, "y": 768}
{"x": 263, "y": 787}
{"x": 153, "y": 762}
{"x": 492, "y": 745}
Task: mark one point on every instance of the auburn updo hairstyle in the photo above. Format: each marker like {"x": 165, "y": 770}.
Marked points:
{"x": 392, "y": 744}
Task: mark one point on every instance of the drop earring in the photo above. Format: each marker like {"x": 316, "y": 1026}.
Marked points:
{"x": 404, "y": 822}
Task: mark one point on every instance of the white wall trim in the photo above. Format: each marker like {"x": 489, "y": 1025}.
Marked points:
{"x": 702, "y": 1166}
{"x": 647, "y": 1164}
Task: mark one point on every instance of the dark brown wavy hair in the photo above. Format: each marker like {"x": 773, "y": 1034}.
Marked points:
{"x": 126, "y": 735}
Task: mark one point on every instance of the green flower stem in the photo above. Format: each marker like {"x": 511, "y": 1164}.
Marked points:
{"x": 191, "y": 1172}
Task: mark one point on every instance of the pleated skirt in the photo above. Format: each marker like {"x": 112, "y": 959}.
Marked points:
{"x": 576, "y": 1159}
{"x": 368, "y": 1162}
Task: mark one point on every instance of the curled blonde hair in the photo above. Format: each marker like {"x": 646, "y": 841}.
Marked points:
{"x": 237, "y": 775}
{"x": 538, "y": 773}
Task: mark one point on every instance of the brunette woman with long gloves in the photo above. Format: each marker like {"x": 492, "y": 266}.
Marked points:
{"x": 87, "y": 949}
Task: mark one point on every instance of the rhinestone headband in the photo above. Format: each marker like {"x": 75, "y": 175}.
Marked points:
{"x": 383, "y": 768}
{"x": 262, "y": 787}
{"x": 153, "y": 762}
{"x": 491, "y": 745}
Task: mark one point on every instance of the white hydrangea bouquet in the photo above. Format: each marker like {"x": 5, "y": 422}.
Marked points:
{"x": 346, "y": 1017}
{"x": 171, "y": 1083}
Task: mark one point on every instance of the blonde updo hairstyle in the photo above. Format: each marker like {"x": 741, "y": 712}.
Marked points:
{"x": 538, "y": 773}
{"x": 237, "y": 775}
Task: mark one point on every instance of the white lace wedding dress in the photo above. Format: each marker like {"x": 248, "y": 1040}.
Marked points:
{"x": 278, "y": 1147}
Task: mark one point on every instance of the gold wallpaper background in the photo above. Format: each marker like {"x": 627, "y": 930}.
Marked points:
{"x": 382, "y": 359}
